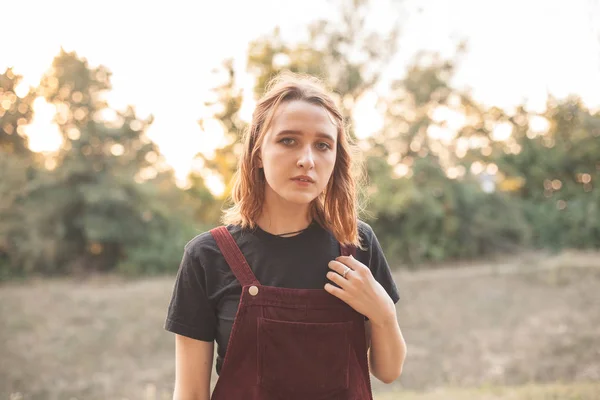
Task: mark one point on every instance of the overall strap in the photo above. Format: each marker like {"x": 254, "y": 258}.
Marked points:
{"x": 234, "y": 257}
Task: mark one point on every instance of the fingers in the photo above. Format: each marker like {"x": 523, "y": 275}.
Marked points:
{"x": 338, "y": 279}
{"x": 351, "y": 262}
{"x": 337, "y": 266}
{"x": 359, "y": 270}
{"x": 337, "y": 292}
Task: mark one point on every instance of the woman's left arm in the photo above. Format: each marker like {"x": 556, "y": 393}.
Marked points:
{"x": 387, "y": 350}
{"x": 361, "y": 291}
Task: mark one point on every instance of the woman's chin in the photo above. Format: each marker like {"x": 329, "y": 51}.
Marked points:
{"x": 299, "y": 198}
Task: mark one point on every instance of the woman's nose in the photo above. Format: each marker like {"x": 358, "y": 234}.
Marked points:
{"x": 306, "y": 159}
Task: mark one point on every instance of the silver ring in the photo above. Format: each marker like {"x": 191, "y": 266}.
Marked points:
{"x": 348, "y": 269}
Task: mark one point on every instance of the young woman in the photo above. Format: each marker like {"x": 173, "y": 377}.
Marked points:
{"x": 294, "y": 288}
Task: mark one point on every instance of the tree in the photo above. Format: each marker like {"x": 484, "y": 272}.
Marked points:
{"x": 97, "y": 200}
{"x": 18, "y": 164}
{"x": 225, "y": 109}
{"x": 423, "y": 204}
{"x": 15, "y": 113}
{"x": 557, "y": 169}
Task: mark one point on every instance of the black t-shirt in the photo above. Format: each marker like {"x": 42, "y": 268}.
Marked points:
{"x": 206, "y": 294}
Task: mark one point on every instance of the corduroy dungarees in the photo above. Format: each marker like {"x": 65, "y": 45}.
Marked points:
{"x": 290, "y": 344}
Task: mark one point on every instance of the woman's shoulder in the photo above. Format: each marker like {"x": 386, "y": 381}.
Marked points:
{"x": 204, "y": 244}
{"x": 365, "y": 231}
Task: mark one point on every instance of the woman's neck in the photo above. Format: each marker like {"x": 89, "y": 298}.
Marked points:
{"x": 278, "y": 218}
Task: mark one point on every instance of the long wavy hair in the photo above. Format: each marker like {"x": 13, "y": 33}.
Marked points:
{"x": 337, "y": 207}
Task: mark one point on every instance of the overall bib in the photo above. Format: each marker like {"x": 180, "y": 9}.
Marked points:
{"x": 290, "y": 344}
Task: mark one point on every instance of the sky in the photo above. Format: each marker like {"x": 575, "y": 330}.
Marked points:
{"x": 518, "y": 50}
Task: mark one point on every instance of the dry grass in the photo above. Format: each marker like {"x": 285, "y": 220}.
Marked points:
{"x": 529, "y": 320}
{"x": 510, "y": 327}
{"x": 573, "y": 391}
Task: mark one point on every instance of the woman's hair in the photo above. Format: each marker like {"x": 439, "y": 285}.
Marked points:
{"x": 336, "y": 208}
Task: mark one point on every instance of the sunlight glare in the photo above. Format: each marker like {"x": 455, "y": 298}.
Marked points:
{"x": 248, "y": 101}
{"x": 43, "y": 134}
{"x": 502, "y": 132}
{"x": 538, "y": 124}
{"x": 117, "y": 149}
{"x": 22, "y": 89}
{"x": 401, "y": 170}
{"x": 476, "y": 168}
{"x": 368, "y": 120}
{"x": 215, "y": 185}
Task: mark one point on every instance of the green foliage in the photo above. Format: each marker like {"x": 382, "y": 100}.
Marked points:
{"x": 168, "y": 227}
{"x": 576, "y": 226}
{"x": 560, "y": 171}
{"x": 105, "y": 198}
{"x": 15, "y": 113}
{"x": 107, "y": 201}
{"x": 19, "y": 169}
{"x": 225, "y": 109}
{"x": 419, "y": 212}
{"x": 94, "y": 192}
{"x": 432, "y": 217}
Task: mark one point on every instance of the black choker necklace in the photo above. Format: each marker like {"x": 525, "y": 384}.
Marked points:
{"x": 292, "y": 233}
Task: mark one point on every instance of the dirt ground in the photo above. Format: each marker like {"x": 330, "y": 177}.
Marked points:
{"x": 527, "y": 327}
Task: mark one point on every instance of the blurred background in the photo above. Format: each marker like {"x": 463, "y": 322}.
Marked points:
{"x": 479, "y": 123}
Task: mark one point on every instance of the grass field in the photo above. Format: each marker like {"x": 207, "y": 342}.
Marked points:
{"x": 571, "y": 391}
{"x": 523, "y": 328}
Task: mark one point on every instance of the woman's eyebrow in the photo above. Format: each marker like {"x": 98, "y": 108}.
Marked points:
{"x": 299, "y": 133}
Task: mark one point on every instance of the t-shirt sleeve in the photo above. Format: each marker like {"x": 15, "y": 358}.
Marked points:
{"x": 190, "y": 312}
{"x": 379, "y": 266}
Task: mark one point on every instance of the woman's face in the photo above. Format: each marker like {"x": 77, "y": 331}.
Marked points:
{"x": 301, "y": 143}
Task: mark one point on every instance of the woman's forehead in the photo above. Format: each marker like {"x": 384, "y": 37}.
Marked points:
{"x": 297, "y": 114}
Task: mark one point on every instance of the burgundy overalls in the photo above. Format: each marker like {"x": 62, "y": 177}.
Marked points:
{"x": 290, "y": 344}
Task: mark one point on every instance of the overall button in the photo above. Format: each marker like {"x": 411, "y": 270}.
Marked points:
{"x": 253, "y": 290}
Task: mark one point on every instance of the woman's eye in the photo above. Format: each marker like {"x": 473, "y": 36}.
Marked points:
{"x": 323, "y": 146}
{"x": 287, "y": 141}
